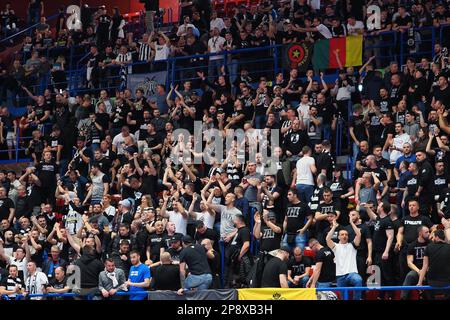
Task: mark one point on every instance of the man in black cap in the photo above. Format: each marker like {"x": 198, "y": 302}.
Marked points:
{"x": 275, "y": 271}
{"x": 175, "y": 248}
{"x": 202, "y": 232}
{"x": 194, "y": 257}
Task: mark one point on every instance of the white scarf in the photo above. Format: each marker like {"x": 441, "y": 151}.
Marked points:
{"x": 112, "y": 276}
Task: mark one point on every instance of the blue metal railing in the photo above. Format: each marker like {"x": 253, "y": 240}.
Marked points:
{"x": 343, "y": 290}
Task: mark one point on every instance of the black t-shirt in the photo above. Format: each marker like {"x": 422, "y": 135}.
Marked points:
{"x": 439, "y": 269}
{"x": 323, "y": 226}
{"x": 410, "y": 225}
{"x": 426, "y": 174}
{"x": 58, "y": 285}
{"x": 296, "y": 215}
{"x": 195, "y": 257}
{"x": 412, "y": 184}
{"x": 156, "y": 242}
{"x": 153, "y": 140}
{"x": 440, "y": 184}
{"x": 79, "y": 164}
{"x": 328, "y": 271}
{"x": 167, "y": 277}
{"x": 271, "y": 275}
{"x": 339, "y": 187}
{"x": 442, "y": 95}
{"x": 210, "y": 234}
{"x": 365, "y": 234}
{"x": 5, "y": 205}
{"x": 417, "y": 250}
{"x": 243, "y": 235}
{"x": 388, "y": 129}
{"x": 359, "y": 127}
{"x": 379, "y": 233}
{"x": 269, "y": 239}
{"x": 298, "y": 268}
{"x": 295, "y": 141}
{"x": 46, "y": 172}
{"x": 174, "y": 254}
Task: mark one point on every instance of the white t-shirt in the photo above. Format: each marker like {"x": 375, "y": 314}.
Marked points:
{"x": 352, "y": 30}
{"x": 162, "y": 52}
{"x": 305, "y": 109}
{"x": 304, "y": 173}
{"x": 217, "y": 23}
{"x": 21, "y": 265}
{"x": 179, "y": 220}
{"x": 324, "y": 31}
{"x": 345, "y": 258}
{"x": 206, "y": 217}
{"x": 214, "y": 46}
{"x": 119, "y": 141}
{"x": 35, "y": 283}
{"x": 399, "y": 141}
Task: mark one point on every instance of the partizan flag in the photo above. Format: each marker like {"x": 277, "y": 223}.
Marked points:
{"x": 349, "y": 50}
{"x": 298, "y": 55}
{"x": 277, "y": 294}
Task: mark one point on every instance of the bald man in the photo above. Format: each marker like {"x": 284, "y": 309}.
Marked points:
{"x": 166, "y": 275}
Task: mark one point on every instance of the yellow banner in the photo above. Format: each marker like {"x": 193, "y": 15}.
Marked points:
{"x": 277, "y": 294}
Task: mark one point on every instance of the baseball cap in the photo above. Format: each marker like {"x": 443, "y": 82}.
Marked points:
{"x": 187, "y": 239}
{"x": 285, "y": 248}
{"x": 199, "y": 224}
{"x": 176, "y": 237}
{"x": 131, "y": 149}
{"x": 125, "y": 203}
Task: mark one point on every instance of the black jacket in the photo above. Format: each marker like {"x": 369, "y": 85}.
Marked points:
{"x": 90, "y": 268}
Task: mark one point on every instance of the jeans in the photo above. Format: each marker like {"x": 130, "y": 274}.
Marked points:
{"x": 411, "y": 280}
{"x": 301, "y": 284}
{"x": 323, "y": 284}
{"x": 34, "y": 16}
{"x": 355, "y": 152}
{"x": 233, "y": 70}
{"x": 350, "y": 280}
{"x": 305, "y": 192}
{"x": 200, "y": 281}
{"x": 300, "y": 241}
{"x": 326, "y": 132}
{"x": 214, "y": 68}
{"x": 260, "y": 121}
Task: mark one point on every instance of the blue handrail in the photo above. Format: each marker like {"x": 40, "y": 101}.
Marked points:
{"x": 344, "y": 290}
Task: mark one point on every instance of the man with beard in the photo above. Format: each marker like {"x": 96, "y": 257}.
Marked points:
{"x": 415, "y": 254}
{"x": 408, "y": 232}
{"x": 297, "y": 221}
{"x": 295, "y": 140}
{"x": 155, "y": 244}
{"x": 435, "y": 260}
{"x": 364, "y": 250}
{"x": 327, "y": 210}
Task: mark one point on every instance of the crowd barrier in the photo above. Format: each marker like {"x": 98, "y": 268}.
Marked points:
{"x": 340, "y": 293}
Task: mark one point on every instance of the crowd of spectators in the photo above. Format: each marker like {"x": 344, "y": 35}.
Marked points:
{"x": 106, "y": 194}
